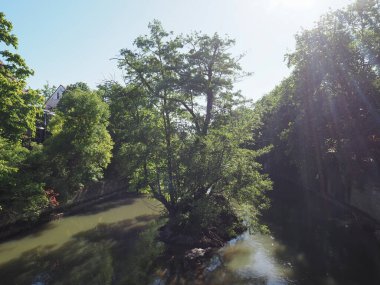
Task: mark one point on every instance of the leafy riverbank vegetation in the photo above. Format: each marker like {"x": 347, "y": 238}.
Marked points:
{"x": 185, "y": 128}
{"x": 323, "y": 120}
{"x": 177, "y": 129}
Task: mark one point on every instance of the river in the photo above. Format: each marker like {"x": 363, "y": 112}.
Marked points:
{"x": 88, "y": 248}
{"x": 105, "y": 245}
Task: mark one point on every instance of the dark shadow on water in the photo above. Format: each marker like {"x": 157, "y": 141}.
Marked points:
{"x": 102, "y": 205}
{"x": 35, "y": 230}
{"x": 322, "y": 248}
{"x": 322, "y": 245}
{"x": 145, "y": 218}
{"x": 103, "y": 255}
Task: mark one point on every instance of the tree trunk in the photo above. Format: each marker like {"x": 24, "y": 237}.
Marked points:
{"x": 210, "y": 103}
{"x": 169, "y": 154}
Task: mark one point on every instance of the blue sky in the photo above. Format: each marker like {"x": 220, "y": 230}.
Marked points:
{"x": 66, "y": 41}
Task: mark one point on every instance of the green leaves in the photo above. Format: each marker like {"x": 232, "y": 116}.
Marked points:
{"x": 21, "y": 195}
{"x": 323, "y": 119}
{"x": 11, "y": 155}
{"x": 196, "y": 127}
{"x": 21, "y": 192}
{"x": 5, "y": 32}
{"x": 18, "y": 106}
{"x": 80, "y": 148}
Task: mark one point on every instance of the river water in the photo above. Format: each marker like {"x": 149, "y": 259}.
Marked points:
{"x": 106, "y": 245}
{"x": 89, "y": 248}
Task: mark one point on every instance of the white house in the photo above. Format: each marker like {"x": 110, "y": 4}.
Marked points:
{"x": 50, "y": 105}
{"x": 52, "y": 102}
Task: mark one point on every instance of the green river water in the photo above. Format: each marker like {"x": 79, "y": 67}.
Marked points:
{"x": 103, "y": 245}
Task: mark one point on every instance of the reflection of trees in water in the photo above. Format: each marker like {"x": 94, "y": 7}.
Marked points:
{"x": 76, "y": 262}
{"x": 115, "y": 253}
{"x": 125, "y": 253}
{"x": 321, "y": 241}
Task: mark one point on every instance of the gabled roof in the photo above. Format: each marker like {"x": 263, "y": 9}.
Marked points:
{"x": 54, "y": 92}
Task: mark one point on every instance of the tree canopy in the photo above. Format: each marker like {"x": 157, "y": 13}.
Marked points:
{"x": 18, "y": 105}
{"x": 195, "y": 153}
{"x": 21, "y": 195}
{"x": 324, "y": 118}
{"x": 80, "y": 146}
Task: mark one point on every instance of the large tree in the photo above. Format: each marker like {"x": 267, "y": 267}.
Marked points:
{"x": 197, "y": 154}
{"x": 336, "y": 74}
{"x": 80, "y": 146}
{"x": 325, "y": 117}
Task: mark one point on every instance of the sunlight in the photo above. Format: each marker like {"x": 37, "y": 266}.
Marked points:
{"x": 292, "y": 3}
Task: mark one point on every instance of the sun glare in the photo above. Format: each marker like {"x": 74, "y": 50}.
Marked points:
{"x": 293, "y": 3}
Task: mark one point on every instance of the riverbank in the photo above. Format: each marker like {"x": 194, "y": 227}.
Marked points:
{"x": 23, "y": 227}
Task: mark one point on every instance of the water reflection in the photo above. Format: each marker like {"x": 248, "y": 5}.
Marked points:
{"x": 323, "y": 243}
{"x": 311, "y": 243}
{"x": 81, "y": 251}
{"x": 114, "y": 244}
{"x": 251, "y": 259}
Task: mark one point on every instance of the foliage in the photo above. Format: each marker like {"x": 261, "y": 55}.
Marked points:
{"x": 324, "y": 119}
{"x": 18, "y": 106}
{"x": 193, "y": 122}
{"x": 47, "y": 90}
{"x": 78, "y": 85}
{"x": 133, "y": 128}
{"x": 21, "y": 194}
{"x": 80, "y": 147}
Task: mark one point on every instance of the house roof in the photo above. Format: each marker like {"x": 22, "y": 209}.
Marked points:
{"x": 54, "y": 92}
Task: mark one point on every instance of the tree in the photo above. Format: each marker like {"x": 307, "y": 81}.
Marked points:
{"x": 21, "y": 194}
{"x": 47, "y": 90}
{"x": 325, "y": 117}
{"x": 80, "y": 147}
{"x": 18, "y": 106}
{"x": 78, "y": 85}
{"x": 188, "y": 82}
{"x": 133, "y": 130}
{"x": 337, "y": 97}
{"x": 273, "y": 120}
